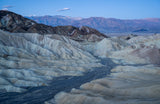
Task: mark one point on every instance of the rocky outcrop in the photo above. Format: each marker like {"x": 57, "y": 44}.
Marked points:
{"x": 82, "y": 33}
{"x": 12, "y": 22}
{"x": 15, "y": 23}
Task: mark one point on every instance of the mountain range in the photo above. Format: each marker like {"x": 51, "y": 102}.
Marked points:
{"x": 105, "y": 25}
{"x": 16, "y": 23}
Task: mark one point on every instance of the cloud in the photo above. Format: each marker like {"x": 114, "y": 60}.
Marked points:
{"x": 64, "y": 9}
{"x": 6, "y": 7}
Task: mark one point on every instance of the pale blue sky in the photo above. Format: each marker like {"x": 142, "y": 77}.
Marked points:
{"x": 122, "y": 9}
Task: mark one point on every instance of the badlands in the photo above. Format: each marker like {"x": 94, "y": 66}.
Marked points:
{"x": 75, "y": 65}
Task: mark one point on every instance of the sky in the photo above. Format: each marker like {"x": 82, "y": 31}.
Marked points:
{"x": 121, "y": 9}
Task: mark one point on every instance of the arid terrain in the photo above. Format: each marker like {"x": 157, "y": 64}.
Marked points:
{"x": 75, "y": 65}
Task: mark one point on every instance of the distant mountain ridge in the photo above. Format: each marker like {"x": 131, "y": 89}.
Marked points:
{"x": 102, "y": 24}
{"x": 15, "y": 23}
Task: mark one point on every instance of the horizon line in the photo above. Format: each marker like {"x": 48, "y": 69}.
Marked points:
{"x": 86, "y": 17}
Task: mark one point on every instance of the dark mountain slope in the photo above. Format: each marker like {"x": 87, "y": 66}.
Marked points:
{"x": 13, "y": 22}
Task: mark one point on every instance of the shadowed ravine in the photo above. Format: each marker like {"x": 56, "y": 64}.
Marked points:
{"x": 38, "y": 95}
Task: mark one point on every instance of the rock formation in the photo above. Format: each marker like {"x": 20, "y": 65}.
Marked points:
{"x": 31, "y": 59}
{"x": 135, "y": 79}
